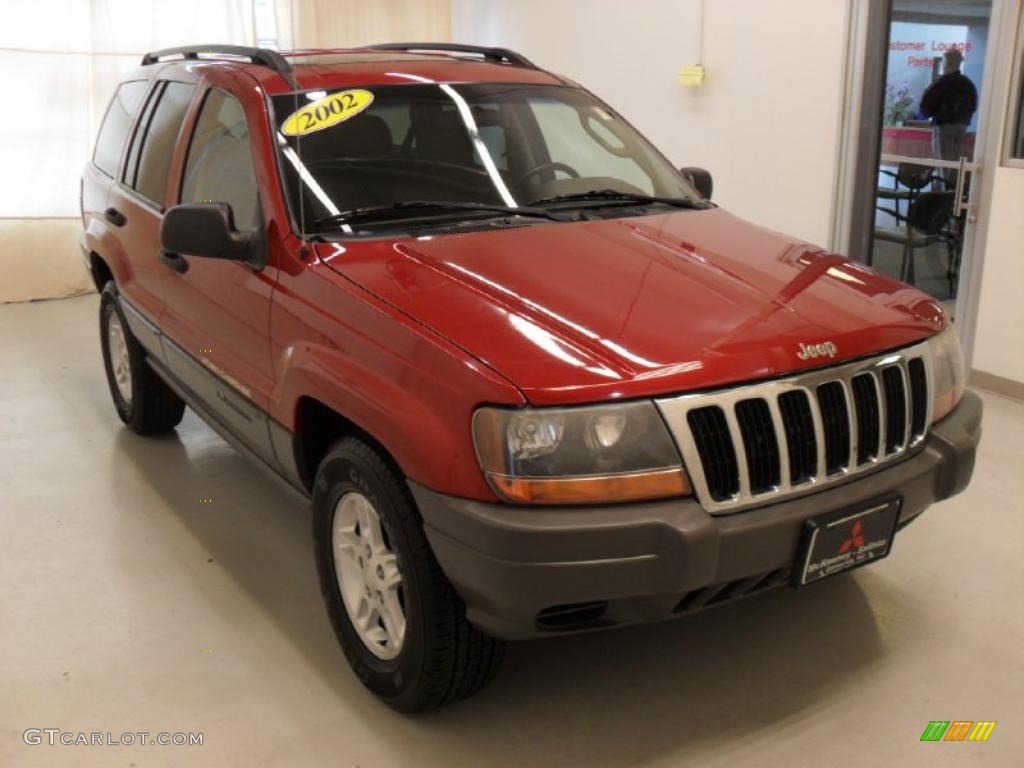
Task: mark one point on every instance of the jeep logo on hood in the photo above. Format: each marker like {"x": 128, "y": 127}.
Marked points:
{"x": 810, "y": 351}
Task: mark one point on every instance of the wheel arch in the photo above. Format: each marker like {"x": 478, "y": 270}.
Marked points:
{"x": 319, "y": 426}
{"x": 99, "y": 270}
{"x": 419, "y": 416}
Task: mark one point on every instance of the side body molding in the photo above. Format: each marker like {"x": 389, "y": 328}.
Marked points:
{"x": 242, "y": 423}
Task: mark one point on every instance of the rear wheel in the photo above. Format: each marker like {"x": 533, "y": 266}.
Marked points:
{"x": 142, "y": 399}
{"x": 401, "y": 624}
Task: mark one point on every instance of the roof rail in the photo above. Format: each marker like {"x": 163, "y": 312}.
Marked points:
{"x": 500, "y": 55}
{"x": 264, "y": 56}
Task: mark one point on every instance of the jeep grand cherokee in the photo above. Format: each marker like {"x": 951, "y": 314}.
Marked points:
{"x": 532, "y": 379}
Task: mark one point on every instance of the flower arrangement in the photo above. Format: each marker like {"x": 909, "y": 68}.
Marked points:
{"x": 899, "y": 104}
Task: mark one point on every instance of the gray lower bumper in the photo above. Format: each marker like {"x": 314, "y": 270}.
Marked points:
{"x": 589, "y": 567}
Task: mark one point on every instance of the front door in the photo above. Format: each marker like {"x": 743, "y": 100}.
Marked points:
{"x": 924, "y": 209}
{"x": 217, "y": 313}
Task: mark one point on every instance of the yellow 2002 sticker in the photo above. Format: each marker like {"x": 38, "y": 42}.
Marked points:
{"x": 325, "y": 112}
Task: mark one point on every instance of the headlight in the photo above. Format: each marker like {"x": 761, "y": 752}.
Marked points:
{"x": 949, "y": 379}
{"x": 592, "y": 454}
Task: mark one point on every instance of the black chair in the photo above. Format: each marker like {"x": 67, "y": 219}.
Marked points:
{"x": 907, "y": 181}
{"x": 927, "y": 222}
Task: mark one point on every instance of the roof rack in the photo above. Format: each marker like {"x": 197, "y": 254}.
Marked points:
{"x": 264, "y": 56}
{"x": 500, "y": 55}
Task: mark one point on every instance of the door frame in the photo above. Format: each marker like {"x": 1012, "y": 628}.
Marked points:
{"x": 995, "y": 98}
{"x": 860, "y": 141}
{"x": 859, "y": 149}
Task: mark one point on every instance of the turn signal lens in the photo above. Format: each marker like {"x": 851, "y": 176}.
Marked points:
{"x": 593, "y": 490}
{"x": 586, "y": 455}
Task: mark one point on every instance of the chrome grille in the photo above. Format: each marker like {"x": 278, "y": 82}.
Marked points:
{"x": 756, "y": 444}
{"x": 835, "y": 420}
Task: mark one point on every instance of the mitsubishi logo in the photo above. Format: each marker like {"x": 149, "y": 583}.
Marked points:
{"x": 855, "y": 540}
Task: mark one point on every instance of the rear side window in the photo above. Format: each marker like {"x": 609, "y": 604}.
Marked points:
{"x": 160, "y": 133}
{"x": 110, "y": 142}
{"x": 220, "y": 166}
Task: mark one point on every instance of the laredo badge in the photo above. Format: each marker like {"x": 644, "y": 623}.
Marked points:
{"x": 325, "y": 112}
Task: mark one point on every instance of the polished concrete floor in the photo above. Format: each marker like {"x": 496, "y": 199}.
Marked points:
{"x": 166, "y": 585}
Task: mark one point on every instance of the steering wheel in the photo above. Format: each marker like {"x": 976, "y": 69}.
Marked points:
{"x": 556, "y": 166}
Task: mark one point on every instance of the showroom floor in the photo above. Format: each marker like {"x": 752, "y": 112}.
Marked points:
{"x": 166, "y": 585}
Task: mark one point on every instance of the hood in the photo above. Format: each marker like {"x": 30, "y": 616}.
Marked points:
{"x": 641, "y": 306}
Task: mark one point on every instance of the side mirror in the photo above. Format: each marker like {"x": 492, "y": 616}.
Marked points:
{"x": 700, "y": 179}
{"x": 204, "y": 229}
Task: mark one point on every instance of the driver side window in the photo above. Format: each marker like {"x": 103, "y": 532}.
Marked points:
{"x": 220, "y": 168}
{"x": 579, "y": 139}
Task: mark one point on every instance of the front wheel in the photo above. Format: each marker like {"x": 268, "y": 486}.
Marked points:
{"x": 401, "y": 624}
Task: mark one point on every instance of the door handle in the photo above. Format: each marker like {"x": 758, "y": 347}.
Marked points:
{"x": 175, "y": 261}
{"x": 115, "y": 217}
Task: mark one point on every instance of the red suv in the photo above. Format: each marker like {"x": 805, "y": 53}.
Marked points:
{"x": 531, "y": 378}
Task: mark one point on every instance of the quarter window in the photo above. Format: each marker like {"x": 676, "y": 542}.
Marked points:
{"x": 220, "y": 166}
{"x": 110, "y": 142}
{"x": 161, "y": 133}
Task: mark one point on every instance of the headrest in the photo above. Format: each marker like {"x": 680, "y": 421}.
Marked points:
{"x": 362, "y": 136}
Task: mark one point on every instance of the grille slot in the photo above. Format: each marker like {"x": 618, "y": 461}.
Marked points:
{"x": 918, "y": 397}
{"x": 717, "y": 454}
{"x": 895, "y": 408}
{"x": 800, "y": 437}
{"x": 865, "y": 398}
{"x": 759, "y": 443}
{"x": 835, "y": 420}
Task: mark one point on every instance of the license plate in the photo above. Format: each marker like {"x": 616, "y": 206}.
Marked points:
{"x": 844, "y": 540}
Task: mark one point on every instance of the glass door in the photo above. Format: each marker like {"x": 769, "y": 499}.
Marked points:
{"x": 922, "y": 215}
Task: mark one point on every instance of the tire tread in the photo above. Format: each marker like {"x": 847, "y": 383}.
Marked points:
{"x": 460, "y": 659}
{"x": 161, "y": 408}
{"x": 155, "y": 407}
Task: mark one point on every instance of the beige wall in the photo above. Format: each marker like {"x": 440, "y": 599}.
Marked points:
{"x": 41, "y": 259}
{"x": 999, "y": 339}
{"x": 63, "y": 58}
{"x": 341, "y": 23}
{"x": 766, "y": 122}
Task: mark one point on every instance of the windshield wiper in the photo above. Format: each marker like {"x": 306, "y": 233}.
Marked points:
{"x": 427, "y": 208}
{"x": 613, "y": 197}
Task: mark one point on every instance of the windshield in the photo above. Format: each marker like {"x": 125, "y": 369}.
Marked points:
{"x": 508, "y": 145}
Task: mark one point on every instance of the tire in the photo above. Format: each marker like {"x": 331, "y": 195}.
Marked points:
{"x": 441, "y": 658}
{"x": 142, "y": 399}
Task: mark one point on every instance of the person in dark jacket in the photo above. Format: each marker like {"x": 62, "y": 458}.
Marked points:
{"x": 950, "y": 102}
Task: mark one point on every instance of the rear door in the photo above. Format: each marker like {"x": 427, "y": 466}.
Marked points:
{"x": 102, "y": 171}
{"x": 217, "y": 313}
{"x": 135, "y": 205}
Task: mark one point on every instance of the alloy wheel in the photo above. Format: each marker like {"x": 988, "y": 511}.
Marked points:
{"x": 368, "y": 576}
{"x": 120, "y": 363}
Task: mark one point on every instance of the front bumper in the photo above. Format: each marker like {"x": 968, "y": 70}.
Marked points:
{"x": 527, "y": 571}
